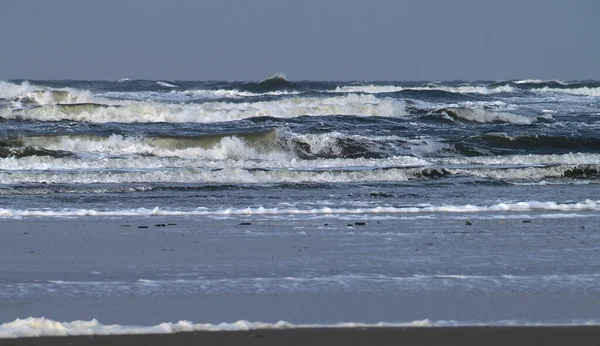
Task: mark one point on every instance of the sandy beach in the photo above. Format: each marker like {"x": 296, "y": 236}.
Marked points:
{"x": 483, "y": 336}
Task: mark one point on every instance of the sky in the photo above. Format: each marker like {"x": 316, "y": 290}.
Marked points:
{"x": 305, "y": 40}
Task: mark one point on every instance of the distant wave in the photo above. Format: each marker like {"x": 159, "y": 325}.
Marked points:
{"x": 584, "y": 91}
{"x": 583, "y": 88}
{"x": 539, "y": 81}
{"x": 166, "y": 85}
{"x": 274, "y": 83}
{"x": 235, "y": 93}
{"x": 376, "y": 89}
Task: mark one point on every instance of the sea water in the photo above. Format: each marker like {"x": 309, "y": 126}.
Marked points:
{"x": 331, "y": 202}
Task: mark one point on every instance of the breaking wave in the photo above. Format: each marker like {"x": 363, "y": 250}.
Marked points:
{"x": 25, "y": 95}
{"x": 234, "y": 93}
{"x": 274, "y": 83}
{"x": 376, "y": 89}
{"x": 583, "y": 171}
{"x": 166, "y": 85}
{"x": 250, "y": 145}
{"x": 352, "y": 104}
{"x": 239, "y": 174}
{"x": 480, "y": 115}
{"x": 10, "y": 90}
{"x": 529, "y": 159}
{"x": 583, "y": 91}
{"x": 37, "y": 327}
{"x": 273, "y": 144}
{"x": 530, "y": 206}
{"x": 226, "y": 175}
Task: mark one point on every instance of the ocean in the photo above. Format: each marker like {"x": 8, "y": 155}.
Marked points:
{"x": 137, "y": 202}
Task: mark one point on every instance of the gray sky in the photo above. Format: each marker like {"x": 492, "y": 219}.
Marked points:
{"x": 307, "y": 39}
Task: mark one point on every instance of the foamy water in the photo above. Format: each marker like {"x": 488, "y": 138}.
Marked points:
{"x": 466, "y": 203}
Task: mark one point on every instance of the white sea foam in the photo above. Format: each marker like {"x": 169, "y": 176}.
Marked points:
{"x": 39, "y": 327}
{"x": 564, "y": 159}
{"x": 11, "y": 90}
{"x": 538, "y": 81}
{"x": 376, "y": 89}
{"x": 167, "y": 85}
{"x": 584, "y": 91}
{"x": 137, "y": 111}
{"x": 518, "y": 173}
{"x": 203, "y": 175}
{"x": 36, "y": 327}
{"x": 229, "y": 147}
{"x": 274, "y": 172}
{"x": 199, "y": 159}
{"x": 44, "y": 96}
{"x": 587, "y": 205}
{"x": 481, "y": 115}
{"x": 278, "y": 145}
{"x": 234, "y": 93}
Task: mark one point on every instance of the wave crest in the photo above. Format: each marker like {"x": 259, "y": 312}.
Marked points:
{"x": 274, "y": 83}
{"x": 134, "y": 111}
{"x": 480, "y": 115}
{"x": 376, "y": 89}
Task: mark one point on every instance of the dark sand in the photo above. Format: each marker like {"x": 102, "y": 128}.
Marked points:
{"x": 577, "y": 335}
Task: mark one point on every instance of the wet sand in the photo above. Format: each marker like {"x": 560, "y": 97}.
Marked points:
{"x": 146, "y": 271}
{"x": 485, "y": 336}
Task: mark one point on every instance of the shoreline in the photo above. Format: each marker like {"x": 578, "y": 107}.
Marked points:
{"x": 484, "y": 335}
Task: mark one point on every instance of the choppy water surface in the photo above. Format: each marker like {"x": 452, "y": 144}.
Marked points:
{"x": 308, "y": 152}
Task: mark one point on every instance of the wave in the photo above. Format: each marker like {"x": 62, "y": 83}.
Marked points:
{"x": 358, "y": 281}
{"x": 529, "y": 159}
{"x": 32, "y": 151}
{"x": 233, "y": 93}
{"x": 539, "y": 81}
{"x": 274, "y": 83}
{"x": 211, "y": 161}
{"x": 583, "y": 91}
{"x": 542, "y": 144}
{"x": 582, "y": 171}
{"x": 166, "y": 85}
{"x": 538, "y": 86}
{"x": 42, "y": 327}
{"x": 376, "y": 89}
{"x": 26, "y": 94}
{"x": 580, "y": 88}
{"x": 227, "y": 175}
{"x": 37, "y": 327}
{"x": 240, "y": 145}
{"x": 257, "y": 144}
{"x": 265, "y": 144}
{"x": 529, "y": 206}
{"x": 284, "y": 175}
{"x": 133, "y": 111}
{"x": 480, "y": 115}
{"x": 10, "y": 90}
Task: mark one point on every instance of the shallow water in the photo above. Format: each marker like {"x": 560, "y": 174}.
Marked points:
{"x": 479, "y": 201}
